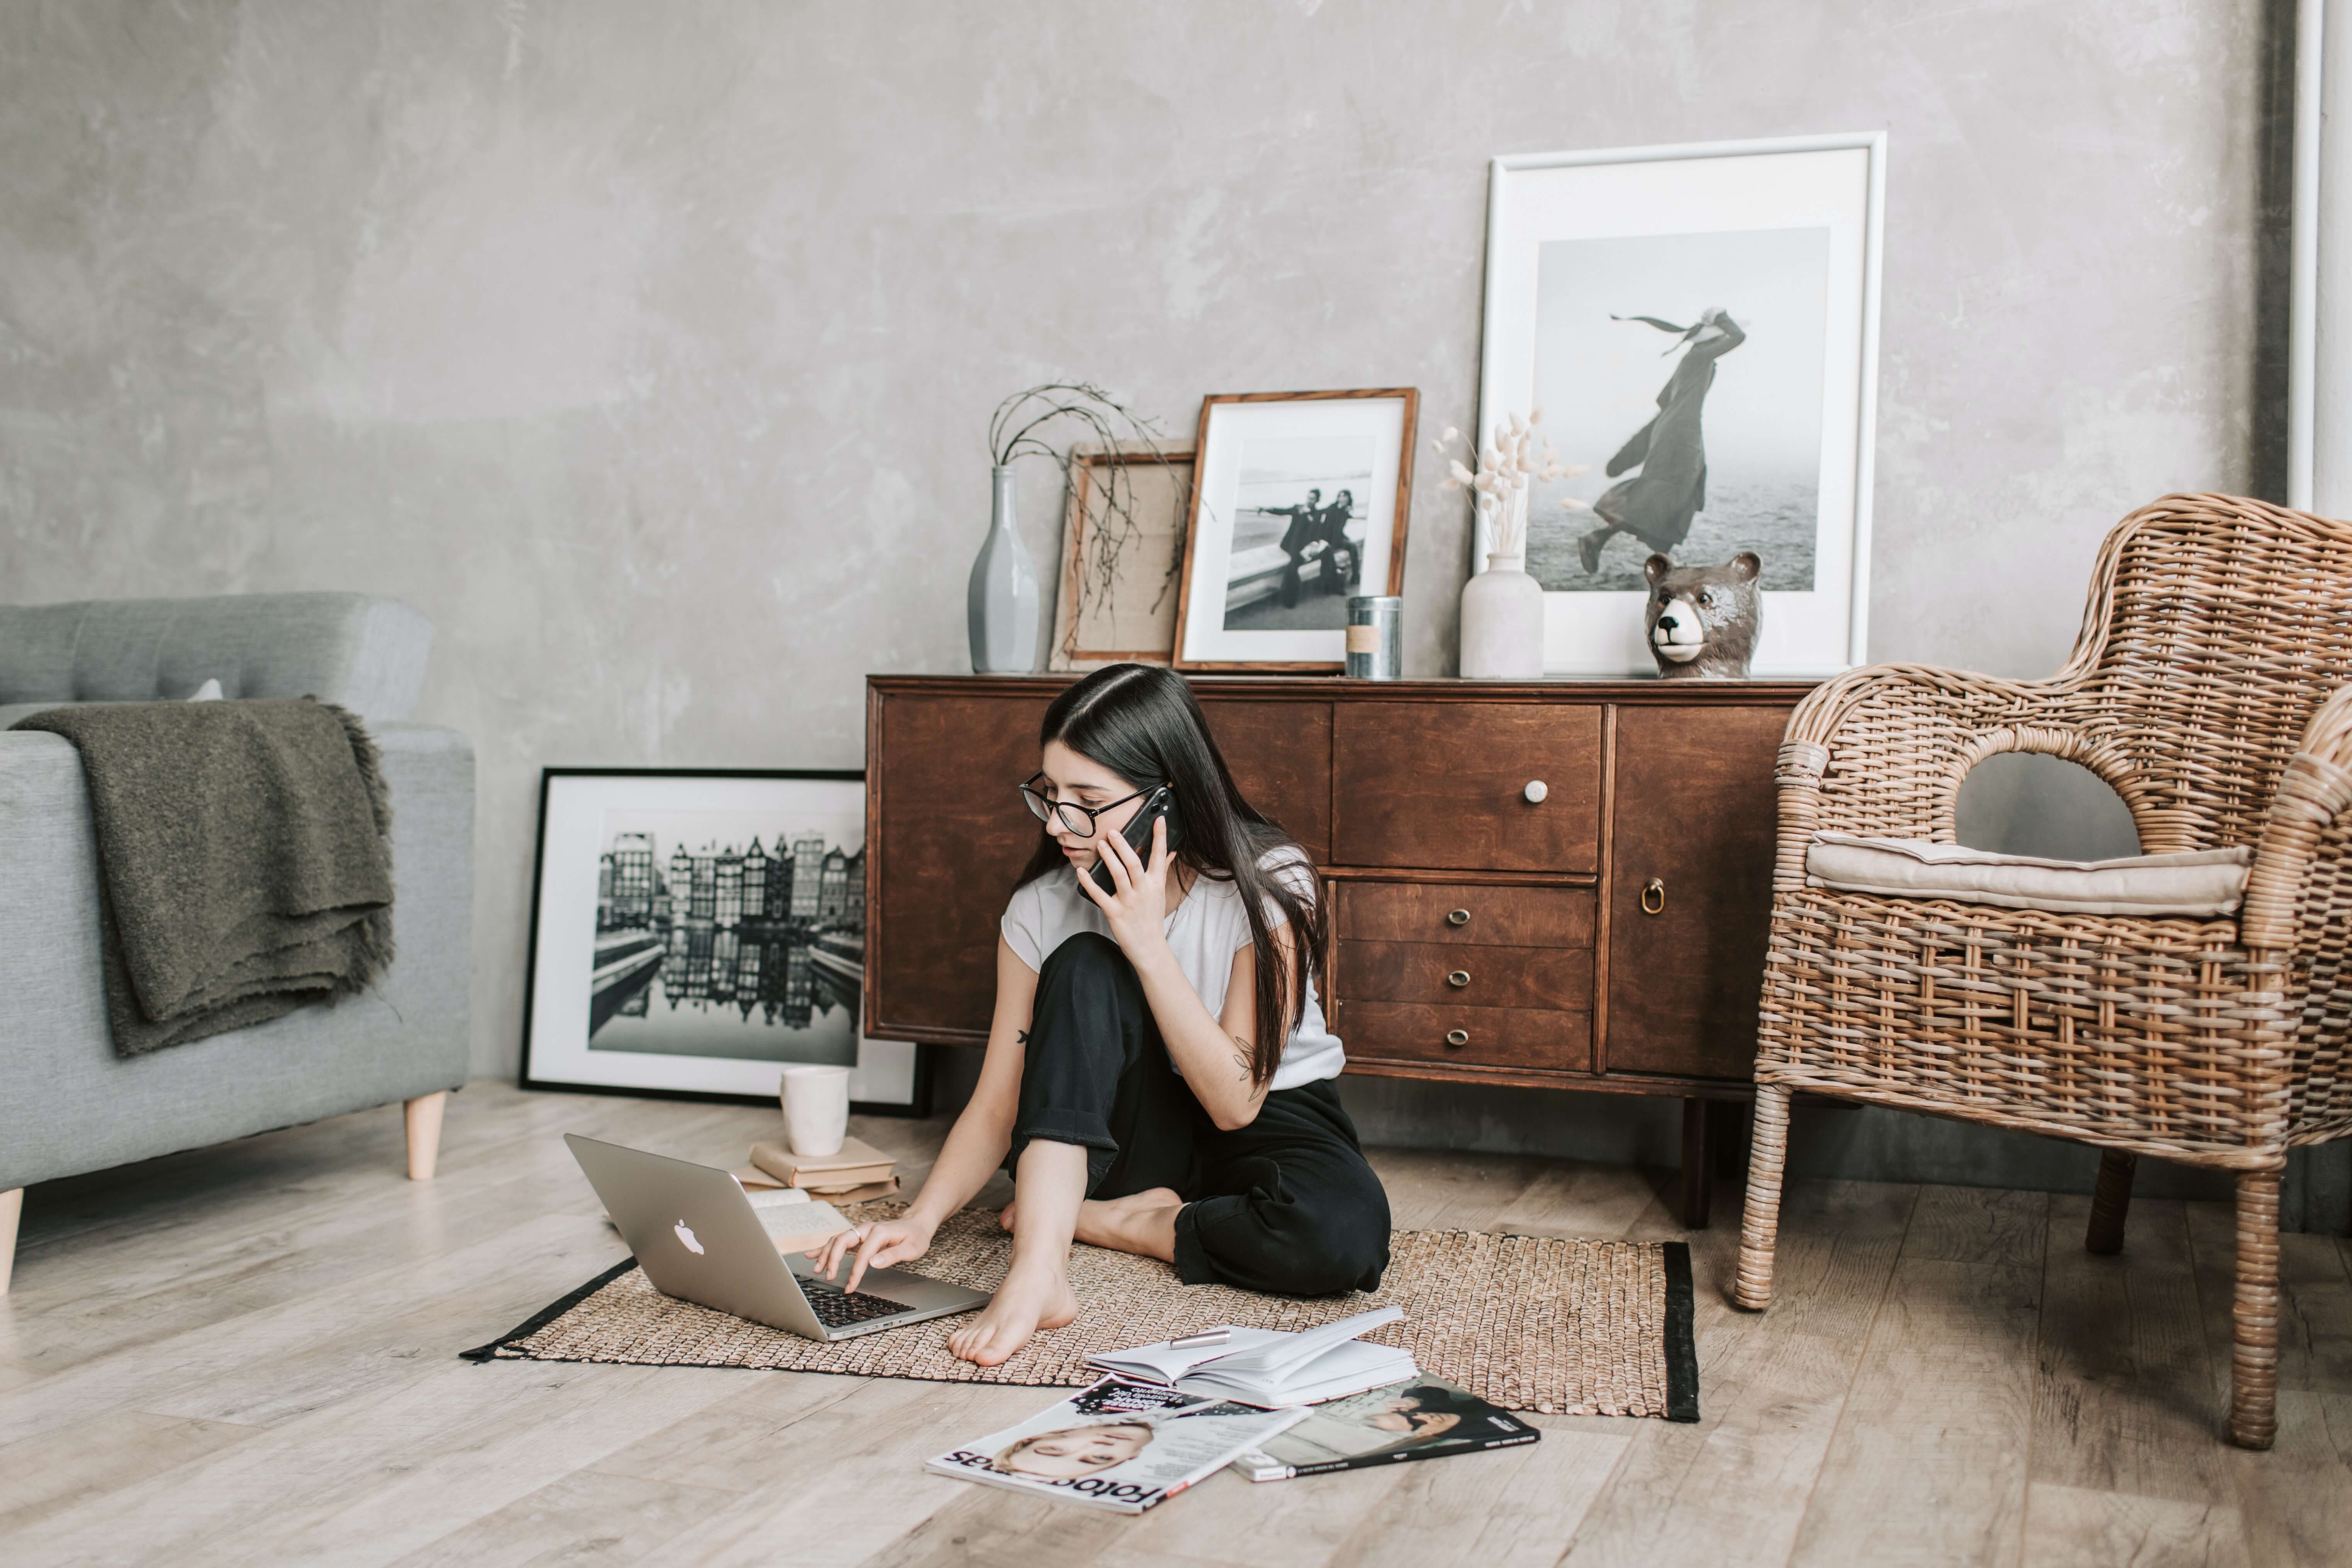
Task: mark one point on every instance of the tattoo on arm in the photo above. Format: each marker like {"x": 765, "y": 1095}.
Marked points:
{"x": 1021, "y": 1036}
{"x": 1242, "y": 1058}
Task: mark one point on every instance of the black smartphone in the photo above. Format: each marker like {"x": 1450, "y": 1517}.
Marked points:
{"x": 1160, "y": 804}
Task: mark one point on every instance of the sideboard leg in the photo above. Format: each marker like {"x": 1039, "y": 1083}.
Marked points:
{"x": 1699, "y": 1170}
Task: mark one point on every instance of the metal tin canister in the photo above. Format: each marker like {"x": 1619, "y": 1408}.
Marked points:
{"x": 1376, "y": 636}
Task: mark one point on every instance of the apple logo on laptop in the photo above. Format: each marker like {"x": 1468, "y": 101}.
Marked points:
{"x": 685, "y": 1237}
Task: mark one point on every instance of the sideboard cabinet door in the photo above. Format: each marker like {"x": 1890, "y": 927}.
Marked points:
{"x": 950, "y": 836}
{"x": 1280, "y": 757}
{"x": 1690, "y": 887}
{"x": 1472, "y": 787}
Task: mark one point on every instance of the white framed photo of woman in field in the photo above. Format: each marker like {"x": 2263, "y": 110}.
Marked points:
{"x": 1299, "y": 500}
{"x": 1698, "y": 326}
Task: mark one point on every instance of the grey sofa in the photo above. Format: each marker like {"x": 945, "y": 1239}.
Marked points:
{"x": 68, "y": 1103}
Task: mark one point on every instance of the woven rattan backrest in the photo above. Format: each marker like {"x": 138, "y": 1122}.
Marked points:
{"x": 2217, "y": 625}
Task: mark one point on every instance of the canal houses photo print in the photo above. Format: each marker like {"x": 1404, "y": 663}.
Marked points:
{"x": 695, "y": 933}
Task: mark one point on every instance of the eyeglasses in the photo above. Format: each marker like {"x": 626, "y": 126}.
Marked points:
{"x": 1073, "y": 817}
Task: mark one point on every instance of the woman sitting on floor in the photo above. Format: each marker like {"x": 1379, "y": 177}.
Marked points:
{"x": 1129, "y": 1085}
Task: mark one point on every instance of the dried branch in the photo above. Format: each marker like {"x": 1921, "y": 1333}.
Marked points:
{"x": 1015, "y": 431}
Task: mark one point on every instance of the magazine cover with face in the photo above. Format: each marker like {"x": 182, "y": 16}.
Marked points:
{"x": 1422, "y": 1418}
{"x": 1121, "y": 1445}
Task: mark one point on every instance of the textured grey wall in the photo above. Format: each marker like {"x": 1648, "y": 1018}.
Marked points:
{"x": 648, "y": 348}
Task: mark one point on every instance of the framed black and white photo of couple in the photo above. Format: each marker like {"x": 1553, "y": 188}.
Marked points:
{"x": 1300, "y": 502}
{"x": 1698, "y": 326}
{"x": 696, "y": 931}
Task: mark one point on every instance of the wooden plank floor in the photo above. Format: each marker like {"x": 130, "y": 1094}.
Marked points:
{"x": 246, "y": 1354}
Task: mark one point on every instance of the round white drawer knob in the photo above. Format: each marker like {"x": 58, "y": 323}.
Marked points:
{"x": 1536, "y": 791}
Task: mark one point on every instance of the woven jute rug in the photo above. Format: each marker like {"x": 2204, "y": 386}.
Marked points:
{"x": 1528, "y": 1322}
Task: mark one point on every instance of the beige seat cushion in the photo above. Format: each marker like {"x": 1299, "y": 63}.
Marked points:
{"x": 2203, "y": 882}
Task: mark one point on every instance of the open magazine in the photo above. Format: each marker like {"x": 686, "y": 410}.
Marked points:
{"x": 1121, "y": 1445}
{"x": 1269, "y": 1366}
{"x": 1423, "y": 1417}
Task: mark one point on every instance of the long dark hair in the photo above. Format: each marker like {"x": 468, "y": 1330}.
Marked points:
{"x": 1144, "y": 724}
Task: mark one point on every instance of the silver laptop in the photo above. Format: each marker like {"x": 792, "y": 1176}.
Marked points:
{"x": 697, "y": 1238}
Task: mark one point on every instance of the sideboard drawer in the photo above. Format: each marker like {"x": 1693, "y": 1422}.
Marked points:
{"x": 1489, "y": 1036}
{"x": 1442, "y": 972}
{"x": 1445, "y": 785}
{"x": 1466, "y": 915}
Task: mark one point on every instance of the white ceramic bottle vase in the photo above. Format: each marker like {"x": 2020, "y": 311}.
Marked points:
{"x": 1502, "y": 623}
{"x": 1001, "y": 602}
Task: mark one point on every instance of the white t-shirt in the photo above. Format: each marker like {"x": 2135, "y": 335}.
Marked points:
{"x": 1205, "y": 931}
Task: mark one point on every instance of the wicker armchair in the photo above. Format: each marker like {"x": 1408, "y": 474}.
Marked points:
{"x": 2209, "y": 688}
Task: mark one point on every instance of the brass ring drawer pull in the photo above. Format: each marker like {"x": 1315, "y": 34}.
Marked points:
{"x": 1653, "y": 897}
{"x": 1458, "y": 979}
{"x": 1457, "y": 1037}
{"x": 1457, "y": 918}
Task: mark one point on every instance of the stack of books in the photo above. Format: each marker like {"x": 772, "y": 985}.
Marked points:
{"x": 857, "y": 1174}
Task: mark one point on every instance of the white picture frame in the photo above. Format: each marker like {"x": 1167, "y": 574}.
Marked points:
{"x": 1260, "y": 592}
{"x": 698, "y": 973}
{"x": 1631, "y": 232}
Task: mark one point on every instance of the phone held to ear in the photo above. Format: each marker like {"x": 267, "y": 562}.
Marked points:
{"x": 1160, "y": 803}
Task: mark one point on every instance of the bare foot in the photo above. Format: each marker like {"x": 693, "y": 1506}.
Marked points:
{"x": 1142, "y": 1223}
{"x": 1004, "y": 1215}
{"x": 1028, "y": 1300}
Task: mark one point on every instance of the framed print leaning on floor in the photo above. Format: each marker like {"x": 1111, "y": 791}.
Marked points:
{"x": 1299, "y": 500}
{"x": 695, "y": 930}
{"x": 1699, "y": 327}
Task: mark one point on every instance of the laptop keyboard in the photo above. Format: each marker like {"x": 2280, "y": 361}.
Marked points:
{"x": 837, "y": 1308}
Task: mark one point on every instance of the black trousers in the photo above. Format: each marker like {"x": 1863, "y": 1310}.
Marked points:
{"x": 1285, "y": 1204}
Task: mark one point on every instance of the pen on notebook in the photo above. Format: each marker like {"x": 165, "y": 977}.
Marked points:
{"x": 1206, "y": 1337}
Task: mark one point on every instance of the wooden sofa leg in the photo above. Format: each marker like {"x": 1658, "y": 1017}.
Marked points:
{"x": 2110, "y": 1202}
{"x": 1760, "y": 1227}
{"x": 2253, "y": 1314}
{"x": 424, "y": 1117}
{"x": 12, "y": 1209}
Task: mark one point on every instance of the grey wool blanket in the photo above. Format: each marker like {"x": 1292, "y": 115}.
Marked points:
{"x": 244, "y": 859}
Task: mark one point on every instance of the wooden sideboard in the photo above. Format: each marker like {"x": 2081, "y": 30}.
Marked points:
{"x": 1549, "y": 884}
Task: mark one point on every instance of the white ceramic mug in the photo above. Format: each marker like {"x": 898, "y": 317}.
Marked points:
{"x": 816, "y": 1108}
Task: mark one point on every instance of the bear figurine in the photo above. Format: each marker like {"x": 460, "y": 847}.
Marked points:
{"x": 1702, "y": 620}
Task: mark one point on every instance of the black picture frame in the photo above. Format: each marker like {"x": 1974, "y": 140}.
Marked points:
{"x": 918, "y": 1103}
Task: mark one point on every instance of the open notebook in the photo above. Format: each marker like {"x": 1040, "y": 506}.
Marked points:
{"x": 1269, "y": 1366}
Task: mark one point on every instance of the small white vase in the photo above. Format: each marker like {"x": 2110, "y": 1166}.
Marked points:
{"x": 1502, "y": 623}
{"x": 1001, "y": 599}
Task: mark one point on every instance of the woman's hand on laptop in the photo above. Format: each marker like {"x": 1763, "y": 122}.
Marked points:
{"x": 900, "y": 1240}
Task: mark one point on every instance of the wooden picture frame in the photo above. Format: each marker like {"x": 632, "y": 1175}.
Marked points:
{"x": 641, "y": 962}
{"x": 1122, "y": 570}
{"x": 1256, "y": 594}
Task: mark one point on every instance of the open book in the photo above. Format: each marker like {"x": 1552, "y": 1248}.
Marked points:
{"x": 1120, "y": 1445}
{"x": 1269, "y": 1366}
